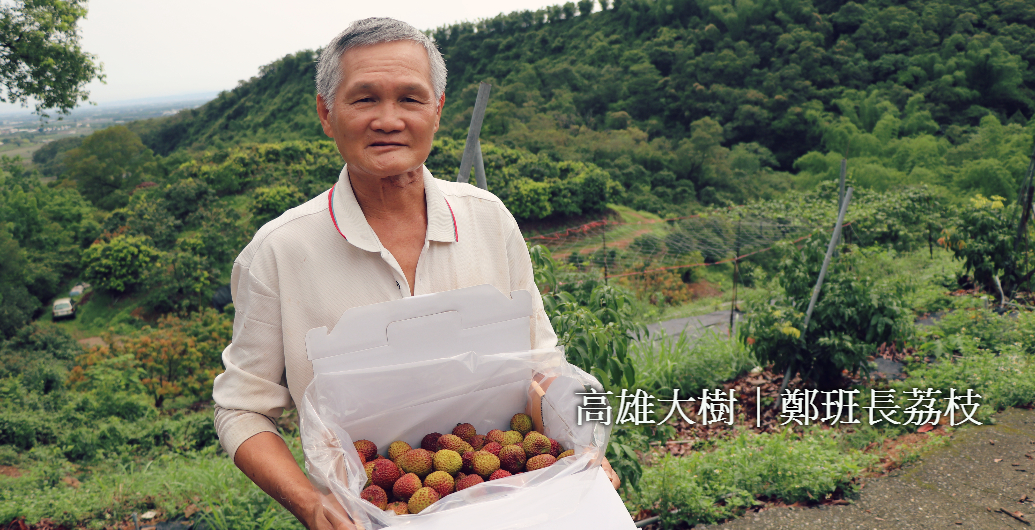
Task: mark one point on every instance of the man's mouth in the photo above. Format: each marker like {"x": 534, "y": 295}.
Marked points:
{"x": 387, "y": 144}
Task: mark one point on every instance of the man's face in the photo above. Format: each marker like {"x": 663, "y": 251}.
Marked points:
{"x": 384, "y": 113}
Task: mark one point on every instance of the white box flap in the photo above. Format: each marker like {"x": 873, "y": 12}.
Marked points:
{"x": 479, "y": 319}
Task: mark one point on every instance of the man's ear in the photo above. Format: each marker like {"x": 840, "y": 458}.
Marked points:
{"x": 325, "y": 115}
{"x": 438, "y": 112}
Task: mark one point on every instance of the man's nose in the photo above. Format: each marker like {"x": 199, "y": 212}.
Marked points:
{"x": 388, "y": 118}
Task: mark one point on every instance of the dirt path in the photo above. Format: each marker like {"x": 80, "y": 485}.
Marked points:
{"x": 960, "y": 485}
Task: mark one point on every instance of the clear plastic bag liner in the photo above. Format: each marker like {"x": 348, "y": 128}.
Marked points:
{"x": 407, "y": 401}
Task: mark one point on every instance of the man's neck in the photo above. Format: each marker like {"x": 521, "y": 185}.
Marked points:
{"x": 391, "y": 198}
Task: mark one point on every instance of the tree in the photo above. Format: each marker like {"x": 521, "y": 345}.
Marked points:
{"x": 16, "y": 304}
{"x": 109, "y": 164}
{"x": 40, "y": 57}
{"x": 272, "y": 201}
{"x": 120, "y": 264}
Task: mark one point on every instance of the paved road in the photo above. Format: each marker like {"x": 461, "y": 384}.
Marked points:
{"x": 720, "y": 320}
{"x": 960, "y": 485}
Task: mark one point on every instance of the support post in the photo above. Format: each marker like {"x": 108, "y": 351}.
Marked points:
{"x": 472, "y": 148}
{"x": 819, "y": 285}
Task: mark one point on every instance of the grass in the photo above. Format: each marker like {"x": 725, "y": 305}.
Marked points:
{"x": 689, "y": 364}
{"x": 708, "y": 487}
{"x": 175, "y": 485}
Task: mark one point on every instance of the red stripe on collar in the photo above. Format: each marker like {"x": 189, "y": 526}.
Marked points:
{"x": 456, "y": 234}
{"x": 330, "y": 208}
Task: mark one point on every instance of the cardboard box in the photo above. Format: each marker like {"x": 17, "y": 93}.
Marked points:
{"x": 402, "y": 369}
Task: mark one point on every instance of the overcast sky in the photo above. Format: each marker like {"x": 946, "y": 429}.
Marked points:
{"x": 154, "y": 48}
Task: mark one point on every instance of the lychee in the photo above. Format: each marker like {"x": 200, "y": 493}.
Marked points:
{"x": 398, "y": 507}
{"x": 406, "y": 486}
{"x": 468, "y": 481}
{"x": 441, "y": 482}
{"x": 565, "y": 454}
{"x": 384, "y": 473}
{"x": 485, "y": 463}
{"x": 430, "y": 442}
{"x": 511, "y": 438}
{"x": 366, "y": 449}
{"x": 465, "y": 431}
{"x": 448, "y": 461}
{"x": 499, "y": 473}
{"x": 376, "y": 496}
{"x": 369, "y": 468}
{"x": 396, "y": 449}
{"x": 477, "y": 442}
{"x": 423, "y": 498}
{"x": 539, "y": 462}
{"x": 521, "y": 423}
{"x": 494, "y": 435}
{"x": 555, "y": 447}
{"x": 454, "y": 443}
{"x": 416, "y": 461}
{"x": 536, "y": 444}
{"x": 512, "y": 458}
{"x": 468, "y": 462}
{"x": 492, "y": 447}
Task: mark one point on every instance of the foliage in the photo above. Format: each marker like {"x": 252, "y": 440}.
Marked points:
{"x": 43, "y": 60}
{"x": 708, "y": 487}
{"x": 16, "y": 303}
{"x": 594, "y": 325}
{"x": 119, "y": 265}
{"x": 177, "y": 358}
{"x": 690, "y": 364}
{"x": 272, "y": 201}
{"x": 533, "y": 186}
{"x": 853, "y": 315}
{"x": 108, "y": 165}
{"x": 983, "y": 238}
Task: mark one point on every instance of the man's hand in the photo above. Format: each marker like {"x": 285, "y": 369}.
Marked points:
{"x": 611, "y": 475}
{"x": 266, "y": 459}
{"x": 329, "y": 516}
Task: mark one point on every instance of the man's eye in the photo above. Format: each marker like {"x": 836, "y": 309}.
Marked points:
{"x": 365, "y": 100}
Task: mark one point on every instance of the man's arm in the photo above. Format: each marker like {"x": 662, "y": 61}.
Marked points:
{"x": 266, "y": 459}
{"x": 249, "y": 394}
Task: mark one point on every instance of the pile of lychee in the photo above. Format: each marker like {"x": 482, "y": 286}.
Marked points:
{"x": 415, "y": 478}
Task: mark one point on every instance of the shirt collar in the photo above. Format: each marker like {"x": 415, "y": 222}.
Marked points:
{"x": 353, "y": 226}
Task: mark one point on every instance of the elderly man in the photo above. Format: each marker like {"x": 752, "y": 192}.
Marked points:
{"x": 386, "y": 230}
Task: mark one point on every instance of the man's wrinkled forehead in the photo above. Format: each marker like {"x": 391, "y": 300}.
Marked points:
{"x": 405, "y": 61}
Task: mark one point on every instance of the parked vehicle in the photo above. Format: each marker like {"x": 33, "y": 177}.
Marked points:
{"x": 64, "y": 308}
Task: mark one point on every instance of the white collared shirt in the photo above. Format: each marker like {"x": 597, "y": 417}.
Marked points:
{"x": 305, "y": 268}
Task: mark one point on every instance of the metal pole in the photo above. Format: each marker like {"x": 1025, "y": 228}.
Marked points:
{"x": 472, "y": 149}
{"x": 819, "y": 282}
{"x": 736, "y": 269}
{"x": 479, "y": 168}
{"x": 841, "y": 187}
{"x": 603, "y": 248}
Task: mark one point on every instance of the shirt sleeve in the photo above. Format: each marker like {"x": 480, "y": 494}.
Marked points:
{"x": 522, "y": 277}
{"x": 250, "y": 393}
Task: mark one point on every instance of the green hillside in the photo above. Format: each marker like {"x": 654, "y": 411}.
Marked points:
{"x": 666, "y": 158}
{"x": 686, "y": 102}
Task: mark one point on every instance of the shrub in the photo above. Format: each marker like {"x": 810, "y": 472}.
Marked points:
{"x": 983, "y": 239}
{"x": 707, "y": 487}
{"x": 852, "y": 317}
{"x": 119, "y": 265}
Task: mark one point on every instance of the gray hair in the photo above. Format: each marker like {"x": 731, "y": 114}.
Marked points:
{"x": 375, "y": 30}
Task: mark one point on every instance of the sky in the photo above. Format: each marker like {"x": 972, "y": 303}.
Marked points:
{"x": 154, "y": 48}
